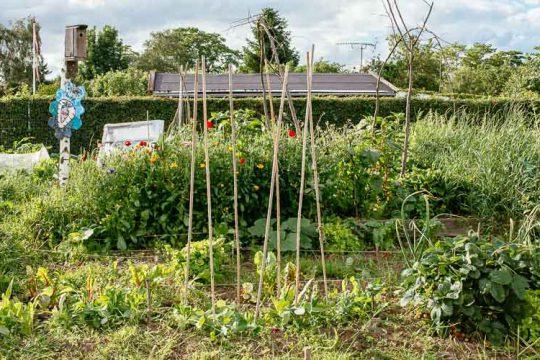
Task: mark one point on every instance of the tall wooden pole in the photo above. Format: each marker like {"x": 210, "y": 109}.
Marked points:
{"x": 181, "y": 98}
{"x": 208, "y": 188}
{"x": 316, "y": 172}
{"x": 302, "y": 184}
{"x": 271, "y": 196}
{"x": 278, "y": 200}
{"x": 192, "y": 179}
{"x": 235, "y": 186}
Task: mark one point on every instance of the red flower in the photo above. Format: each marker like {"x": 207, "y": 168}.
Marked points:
{"x": 242, "y": 161}
{"x": 292, "y": 133}
{"x": 127, "y": 143}
{"x": 276, "y": 330}
{"x": 143, "y": 143}
{"x": 209, "y": 124}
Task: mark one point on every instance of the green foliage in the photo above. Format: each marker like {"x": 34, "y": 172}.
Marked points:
{"x": 476, "y": 284}
{"x": 167, "y": 50}
{"x": 105, "y": 52}
{"x": 27, "y": 117}
{"x": 323, "y": 66}
{"x": 308, "y": 233}
{"x": 276, "y": 25}
{"x": 199, "y": 267}
{"x": 16, "y": 57}
{"x": 130, "y": 82}
{"x": 340, "y": 236}
{"x": 227, "y": 321}
{"x": 530, "y": 325}
{"x": 498, "y": 178}
{"x": 16, "y": 317}
{"x": 426, "y": 61}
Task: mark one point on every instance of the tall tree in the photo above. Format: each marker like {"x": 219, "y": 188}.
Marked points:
{"x": 427, "y": 65}
{"x": 484, "y": 70}
{"x": 16, "y": 54}
{"x": 270, "y": 29}
{"x": 323, "y": 66}
{"x": 169, "y": 49}
{"x": 105, "y": 52}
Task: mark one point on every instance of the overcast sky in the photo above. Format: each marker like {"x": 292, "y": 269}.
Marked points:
{"x": 507, "y": 24}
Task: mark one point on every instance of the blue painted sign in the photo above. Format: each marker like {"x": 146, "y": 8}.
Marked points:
{"x": 66, "y": 110}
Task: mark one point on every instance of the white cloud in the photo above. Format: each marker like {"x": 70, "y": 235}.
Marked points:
{"x": 504, "y": 23}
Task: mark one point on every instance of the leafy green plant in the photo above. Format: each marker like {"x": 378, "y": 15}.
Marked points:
{"x": 478, "y": 284}
{"x": 530, "y": 325}
{"x": 308, "y": 232}
{"x": 227, "y": 321}
{"x": 16, "y": 317}
{"x": 199, "y": 264}
{"x": 340, "y": 236}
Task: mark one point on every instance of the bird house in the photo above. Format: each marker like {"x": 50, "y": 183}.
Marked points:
{"x": 75, "y": 42}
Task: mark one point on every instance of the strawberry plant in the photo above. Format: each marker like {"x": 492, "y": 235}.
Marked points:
{"x": 473, "y": 282}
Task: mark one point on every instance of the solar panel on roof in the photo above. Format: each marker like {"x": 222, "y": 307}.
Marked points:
{"x": 167, "y": 84}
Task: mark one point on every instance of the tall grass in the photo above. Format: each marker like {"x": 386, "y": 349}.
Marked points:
{"x": 495, "y": 159}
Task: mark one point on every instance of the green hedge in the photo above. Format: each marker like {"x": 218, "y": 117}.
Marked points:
{"x": 27, "y": 117}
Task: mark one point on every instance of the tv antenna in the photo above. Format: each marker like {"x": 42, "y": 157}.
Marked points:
{"x": 359, "y": 45}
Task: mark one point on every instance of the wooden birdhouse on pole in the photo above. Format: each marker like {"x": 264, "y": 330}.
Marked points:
{"x": 75, "y": 48}
{"x": 67, "y": 109}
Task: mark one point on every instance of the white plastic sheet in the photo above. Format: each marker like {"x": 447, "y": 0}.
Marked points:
{"x": 22, "y": 161}
{"x": 114, "y": 135}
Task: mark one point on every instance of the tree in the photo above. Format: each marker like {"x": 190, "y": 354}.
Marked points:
{"x": 129, "y": 82}
{"x": 16, "y": 55}
{"x": 525, "y": 80}
{"x": 105, "y": 52}
{"x": 269, "y": 28}
{"x": 484, "y": 70}
{"x": 167, "y": 50}
{"x": 426, "y": 61}
{"x": 323, "y": 66}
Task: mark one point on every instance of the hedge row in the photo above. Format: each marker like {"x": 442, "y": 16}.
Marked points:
{"x": 27, "y": 117}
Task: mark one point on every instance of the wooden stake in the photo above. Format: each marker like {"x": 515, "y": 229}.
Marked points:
{"x": 301, "y": 196}
{"x": 271, "y": 197}
{"x": 270, "y": 100}
{"x": 235, "y": 186}
{"x": 208, "y": 187}
{"x": 316, "y": 172}
{"x": 278, "y": 201}
{"x": 192, "y": 179}
{"x": 180, "y": 108}
{"x": 148, "y": 299}
{"x": 307, "y": 353}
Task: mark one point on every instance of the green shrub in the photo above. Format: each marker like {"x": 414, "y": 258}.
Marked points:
{"x": 530, "y": 325}
{"x": 340, "y": 236}
{"x": 129, "y": 82}
{"x": 472, "y": 283}
{"x": 27, "y": 116}
{"x": 199, "y": 267}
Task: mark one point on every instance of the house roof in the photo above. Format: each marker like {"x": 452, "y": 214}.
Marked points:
{"x": 167, "y": 84}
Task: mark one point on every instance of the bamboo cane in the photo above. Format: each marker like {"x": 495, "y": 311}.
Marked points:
{"x": 180, "y": 109}
{"x": 192, "y": 179}
{"x": 208, "y": 187}
{"x": 301, "y": 196}
{"x": 316, "y": 173}
{"x": 270, "y": 100}
{"x": 272, "y": 187}
{"x": 235, "y": 186}
{"x": 278, "y": 200}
